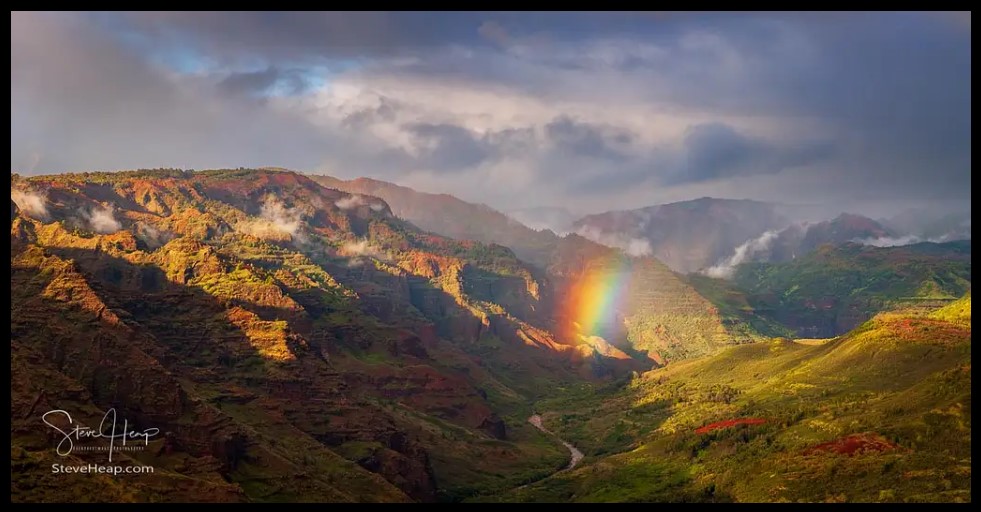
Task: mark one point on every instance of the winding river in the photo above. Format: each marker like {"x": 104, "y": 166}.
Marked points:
{"x": 575, "y": 454}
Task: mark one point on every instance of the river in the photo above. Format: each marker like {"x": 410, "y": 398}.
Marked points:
{"x": 575, "y": 454}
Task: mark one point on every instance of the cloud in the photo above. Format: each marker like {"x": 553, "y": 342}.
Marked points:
{"x": 88, "y": 102}
{"x": 31, "y": 203}
{"x": 348, "y": 202}
{"x": 284, "y": 219}
{"x": 290, "y": 35}
{"x": 604, "y": 111}
{"x": 636, "y": 247}
{"x": 589, "y": 140}
{"x": 356, "y": 200}
{"x": 152, "y": 236}
{"x": 447, "y": 147}
{"x": 102, "y": 219}
{"x": 253, "y": 83}
{"x": 275, "y": 222}
{"x": 367, "y": 116}
{"x": 495, "y": 33}
{"x": 897, "y": 241}
{"x": 716, "y": 150}
{"x": 743, "y": 253}
{"x": 362, "y": 248}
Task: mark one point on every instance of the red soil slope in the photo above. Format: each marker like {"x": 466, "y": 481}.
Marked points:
{"x": 855, "y": 443}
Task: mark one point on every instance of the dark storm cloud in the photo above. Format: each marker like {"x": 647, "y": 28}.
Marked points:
{"x": 588, "y": 139}
{"x": 384, "y": 112}
{"x": 291, "y": 35}
{"x": 900, "y": 88}
{"x": 893, "y": 87}
{"x": 614, "y": 107}
{"x": 257, "y": 83}
{"x": 716, "y": 150}
{"x": 594, "y": 158}
{"x": 448, "y": 147}
{"x": 299, "y": 36}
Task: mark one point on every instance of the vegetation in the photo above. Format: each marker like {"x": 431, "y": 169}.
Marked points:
{"x": 880, "y": 414}
{"x": 827, "y": 292}
{"x": 341, "y": 354}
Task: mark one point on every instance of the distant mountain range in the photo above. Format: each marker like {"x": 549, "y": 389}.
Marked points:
{"x": 555, "y": 219}
{"x": 715, "y": 235}
{"x": 686, "y": 236}
{"x": 707, "y": 235}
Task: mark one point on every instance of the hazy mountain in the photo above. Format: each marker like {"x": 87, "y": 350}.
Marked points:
{"x": 452, "y": 217}
{"x": 688, "y": 235}
{"x": 924, "y": 225}
{"x": 559, "y": 220}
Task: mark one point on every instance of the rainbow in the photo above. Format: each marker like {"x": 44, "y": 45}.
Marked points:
{"x": 598, "y": 297}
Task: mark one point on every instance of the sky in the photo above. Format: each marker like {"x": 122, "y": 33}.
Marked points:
{"x": 865, "y": 112}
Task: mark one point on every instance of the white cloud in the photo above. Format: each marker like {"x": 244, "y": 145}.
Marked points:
{"x": 887, "y": 241}
{"x": 348, "y": 202}
{"x": 362, "y": 248}
{"x": 31, "y": 203}
{"x": 356, "y": 200}
{"x": 102, "y": 219}
{"x": 275, "y": 220}
{"x": 152, "y": 236}
{"x": 745, "y": 252}
{"x": 636, "y": 247}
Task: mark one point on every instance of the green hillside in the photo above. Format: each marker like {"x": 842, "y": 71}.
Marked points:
{"x": 833, "y": 289}
{"x": 880, "y": 414}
